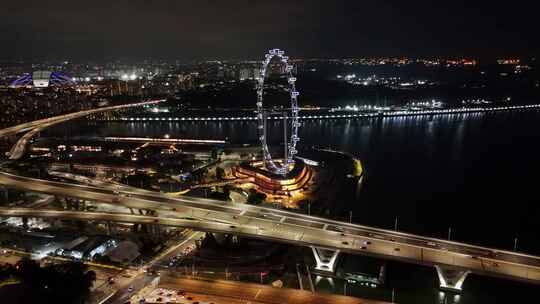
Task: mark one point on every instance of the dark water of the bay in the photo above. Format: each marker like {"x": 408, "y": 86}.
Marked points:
{"x": 476, "y": 173}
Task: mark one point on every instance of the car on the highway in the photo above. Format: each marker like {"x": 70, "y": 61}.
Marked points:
{"x": 336, "y": 228}
{"x": 493, "y": 254}
{"x": 130, "y": 289}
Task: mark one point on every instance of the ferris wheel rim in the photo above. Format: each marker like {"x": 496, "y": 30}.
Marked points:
{"x": 291, "y": 143}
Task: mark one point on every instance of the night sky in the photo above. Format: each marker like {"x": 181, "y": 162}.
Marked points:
{"x": 211, "y": 29}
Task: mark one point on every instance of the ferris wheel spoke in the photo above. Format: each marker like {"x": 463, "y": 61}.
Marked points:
{"x": 290, "y": 145}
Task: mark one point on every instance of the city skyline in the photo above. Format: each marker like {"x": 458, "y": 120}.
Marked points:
{"x": 303, "y": 152}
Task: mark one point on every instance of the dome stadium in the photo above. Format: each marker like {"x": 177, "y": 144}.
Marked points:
{"x": 42, "y": 79}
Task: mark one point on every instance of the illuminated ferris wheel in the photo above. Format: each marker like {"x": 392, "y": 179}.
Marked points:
{"x": 278, "y": 167}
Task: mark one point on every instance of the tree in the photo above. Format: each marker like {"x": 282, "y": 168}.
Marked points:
{"x": 214, "y": 154}
{"x": 59, "y": 283}
{"x": 255, "y": 198}
{"x": 220, "y": 173}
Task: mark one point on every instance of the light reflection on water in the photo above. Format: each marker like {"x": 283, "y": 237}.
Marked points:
{"x": 474, "y": 172}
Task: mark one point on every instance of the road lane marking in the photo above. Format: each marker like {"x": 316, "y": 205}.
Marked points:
{"x": 257, "y": 294}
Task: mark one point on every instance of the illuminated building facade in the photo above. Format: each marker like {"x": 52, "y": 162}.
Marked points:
{"x": 42, "y": 79}
{"x": 295, "y": 182}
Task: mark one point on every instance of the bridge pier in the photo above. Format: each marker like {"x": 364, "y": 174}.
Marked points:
{"x": 25, "y": 222}
{"x": 325, "y": 260}
{"x": 330, "y": 280}
{"x": 5, "y": 194}
{"x": 111, "y": 229}
{"x": 451, "y": 279}
{"x": 156, "y": 231}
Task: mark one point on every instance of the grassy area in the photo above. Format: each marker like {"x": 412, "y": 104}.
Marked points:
{"x": 9, "y": 281}
{"x": 358, "y": 169}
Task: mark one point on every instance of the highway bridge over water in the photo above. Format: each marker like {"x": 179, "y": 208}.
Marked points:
{"x": 327, "y": 238}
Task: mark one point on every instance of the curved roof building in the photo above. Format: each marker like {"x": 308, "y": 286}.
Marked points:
{"x": 42, "y": 79}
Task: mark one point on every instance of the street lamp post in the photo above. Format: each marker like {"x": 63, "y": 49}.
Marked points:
{"x": 449, "y": 233}
{"x": 396, "y": 223}
{"x": 515, "y": 243}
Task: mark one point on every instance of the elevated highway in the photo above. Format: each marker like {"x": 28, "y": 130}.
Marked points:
{"x": 37, "y": 126}
{"x": 327, "y": 238}
{"x": 286, "y": 227}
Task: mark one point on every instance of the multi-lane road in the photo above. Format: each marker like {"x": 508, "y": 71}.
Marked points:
{"x": 37, "y": 126}
{"x": 281, "y": 226}
{"x": 237, "y": 292}
{"x": 264, "y": 223}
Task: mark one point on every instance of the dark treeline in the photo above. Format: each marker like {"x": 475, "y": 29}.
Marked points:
{"x": 55, "y": 283}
